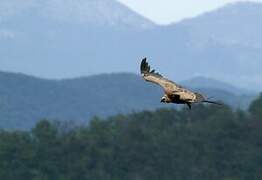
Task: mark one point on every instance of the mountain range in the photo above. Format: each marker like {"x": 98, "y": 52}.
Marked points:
{"x": 73, "y": 38}
{"x": 24, "y": 100}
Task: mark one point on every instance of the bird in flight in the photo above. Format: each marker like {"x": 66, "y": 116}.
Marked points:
{"x": 174, "y": 93}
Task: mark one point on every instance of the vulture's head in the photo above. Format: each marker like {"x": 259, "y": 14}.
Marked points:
{"x": 165, "y": 99}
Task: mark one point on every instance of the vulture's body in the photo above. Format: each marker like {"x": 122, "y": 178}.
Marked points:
{"x": 174, "y": 93}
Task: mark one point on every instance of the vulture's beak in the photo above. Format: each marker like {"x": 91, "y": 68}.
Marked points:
{"x": 162, "y": 100}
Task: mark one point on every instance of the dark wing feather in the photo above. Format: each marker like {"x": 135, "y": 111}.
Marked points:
{"x": 146, "y": 69}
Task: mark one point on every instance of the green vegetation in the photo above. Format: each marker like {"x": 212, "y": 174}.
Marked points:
{"x": 207, "y": 143}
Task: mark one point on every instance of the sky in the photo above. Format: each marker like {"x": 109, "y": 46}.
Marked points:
{"x": 170, "y": 11}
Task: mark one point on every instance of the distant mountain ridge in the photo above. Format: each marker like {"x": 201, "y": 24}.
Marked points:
{"x": 24, "y": 100}
{"x": 220, "y": 26}
{"x": 88, "y": 12}
{"x": 65, "y": 39}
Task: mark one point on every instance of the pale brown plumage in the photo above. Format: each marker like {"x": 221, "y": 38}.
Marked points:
{"x": 174, "y": 93}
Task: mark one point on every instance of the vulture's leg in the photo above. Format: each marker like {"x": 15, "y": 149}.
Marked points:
{"x": 189, "y": 105}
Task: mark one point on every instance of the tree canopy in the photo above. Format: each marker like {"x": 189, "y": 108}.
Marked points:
{"x": 202, "y": 144}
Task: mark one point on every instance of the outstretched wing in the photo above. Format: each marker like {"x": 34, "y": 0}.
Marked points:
{"x": 170, "y": 87}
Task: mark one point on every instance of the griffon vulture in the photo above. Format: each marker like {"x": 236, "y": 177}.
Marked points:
{"x": 174, "y": 93}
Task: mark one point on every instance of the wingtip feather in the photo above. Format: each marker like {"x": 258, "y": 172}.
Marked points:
{"x": 144, "y": 67}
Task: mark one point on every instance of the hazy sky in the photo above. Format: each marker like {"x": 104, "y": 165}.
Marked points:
{"x": 167, "y": 11}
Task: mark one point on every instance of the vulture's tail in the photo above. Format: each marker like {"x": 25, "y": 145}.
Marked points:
{"x": 213, "y": 102}
{"x": 201, "y": 98}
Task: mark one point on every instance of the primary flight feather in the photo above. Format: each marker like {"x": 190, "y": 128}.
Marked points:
{"x": 174, "y": 93}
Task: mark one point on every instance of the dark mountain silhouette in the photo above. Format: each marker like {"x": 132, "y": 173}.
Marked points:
{"x": 209, "y": 83}
{"x": 24, "y": 100}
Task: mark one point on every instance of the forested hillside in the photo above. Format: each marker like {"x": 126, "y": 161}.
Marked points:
{"x": 24, "y": 100}
{"x": 203, "y": 144}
